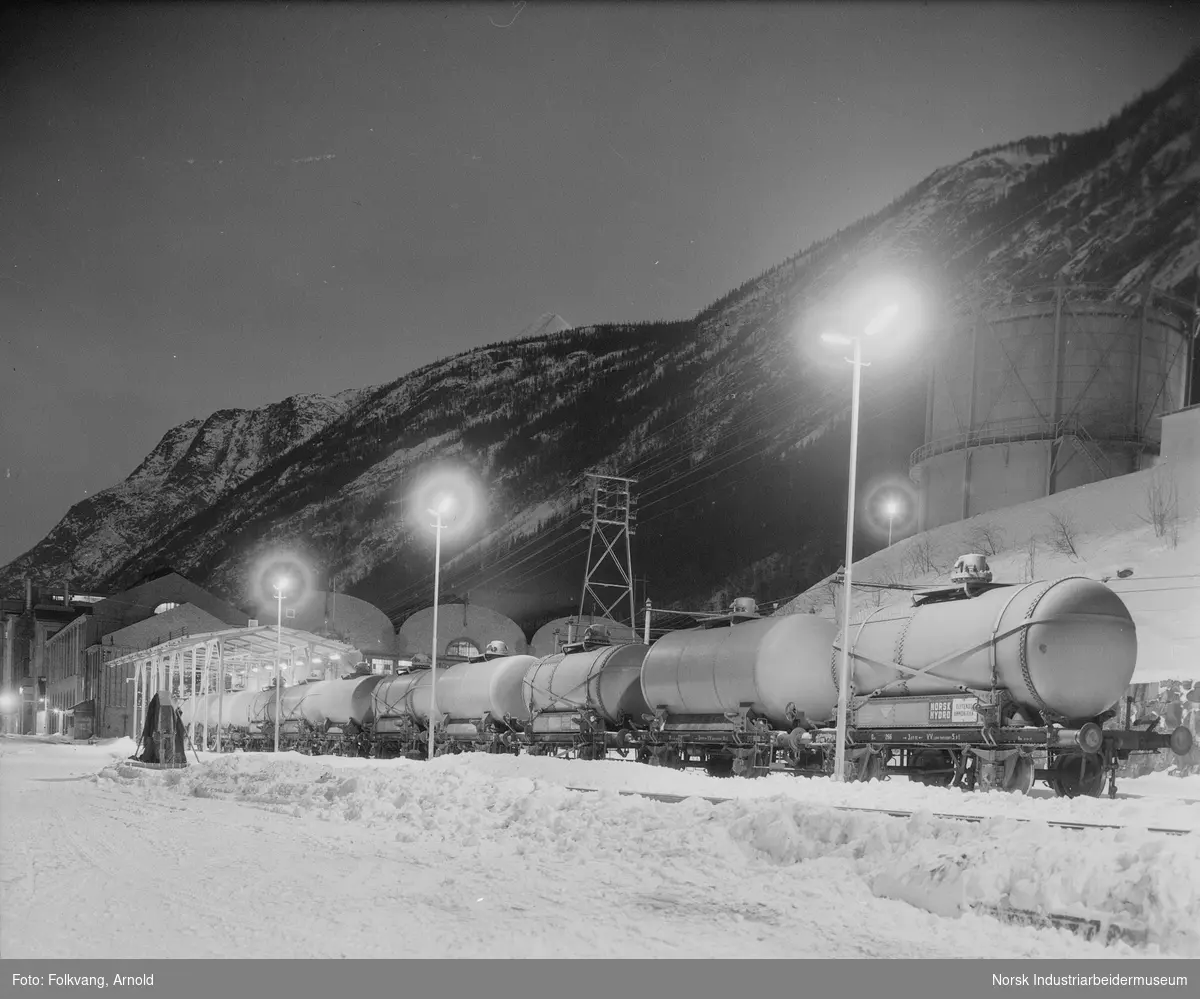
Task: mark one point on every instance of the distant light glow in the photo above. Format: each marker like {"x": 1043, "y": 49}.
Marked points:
{"x": 451, "y": 494}
{"x": 8, "y": 702}
{"x": 835, "y": 338}
{"x": 281, "y": 584}
{"x": 891, "y": 508}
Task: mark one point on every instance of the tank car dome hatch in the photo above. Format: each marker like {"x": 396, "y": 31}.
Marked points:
{"x": 745, "y": 606}
{"x": 496, "y": 648}
{"x": 971, "y": 568}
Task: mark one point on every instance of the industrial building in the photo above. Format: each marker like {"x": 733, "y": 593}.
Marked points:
{"x": 1058, "y": 388}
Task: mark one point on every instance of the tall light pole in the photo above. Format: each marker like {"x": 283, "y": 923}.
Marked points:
{"x": 874, "y": 326}
{"x": 891, "y": 508}
{"x": 280, "y": 586}
{"x": 442, "y": 508}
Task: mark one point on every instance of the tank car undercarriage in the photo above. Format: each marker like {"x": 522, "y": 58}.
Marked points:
{"x": 979, "y": 742}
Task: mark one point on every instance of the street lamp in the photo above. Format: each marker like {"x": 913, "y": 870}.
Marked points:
{"x": 279, "y": 585}
{"x": 880, "y": 320}
{"x": 443, "y": 509}
{"x": 891, "y": 508}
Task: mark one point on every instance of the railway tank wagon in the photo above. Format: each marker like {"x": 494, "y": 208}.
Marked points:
{"x": 724, "y": 693}
{"x": 587, "y": 700}
{"x": 397, "y": 727}
{"x": 327, "y": 716}
{"x": 479, "y": 707}
{"x": 995, "y": 686}
{"x": 480, "y": 704}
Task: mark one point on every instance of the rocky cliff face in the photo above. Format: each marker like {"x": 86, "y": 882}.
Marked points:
{"x": 733, "y": 426}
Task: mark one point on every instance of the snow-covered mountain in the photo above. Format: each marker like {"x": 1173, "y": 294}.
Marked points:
{"x": 737, "y": 436}
{"x": 544, "y": 325}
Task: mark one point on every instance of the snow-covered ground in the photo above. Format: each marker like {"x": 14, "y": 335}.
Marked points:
{"x": 251, "y": 855}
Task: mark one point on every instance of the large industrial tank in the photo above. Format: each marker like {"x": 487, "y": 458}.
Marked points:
{"x": 1073, "y": 661}
{"x": 1061, "y": 389}
{"x": 770, "y": 663}
{"x": 606, "y": 681}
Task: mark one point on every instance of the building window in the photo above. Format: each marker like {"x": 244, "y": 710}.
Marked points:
{"x": 462, "y": 647}
{"x": 169, "y": 605}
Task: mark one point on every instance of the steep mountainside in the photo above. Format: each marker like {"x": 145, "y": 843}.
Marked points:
{"x": 732, "y": 423}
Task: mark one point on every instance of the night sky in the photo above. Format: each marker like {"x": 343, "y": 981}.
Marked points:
{"x": 219, "y": 206}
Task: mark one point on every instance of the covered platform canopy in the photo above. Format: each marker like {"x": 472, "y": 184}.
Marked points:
{"x": 199, "y": 664}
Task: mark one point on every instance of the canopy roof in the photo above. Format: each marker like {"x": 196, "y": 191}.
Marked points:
{"x": 248, "y": 646}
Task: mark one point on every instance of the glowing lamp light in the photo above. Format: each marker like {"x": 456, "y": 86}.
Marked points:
{"x": 450, "y": 495}
{"x": 8, "y": 702}
{"x": 445, "y": 506}
{"x": 891, "y": 508}
{"x": 281, "y": 584}
{"x": 882, "y": 318}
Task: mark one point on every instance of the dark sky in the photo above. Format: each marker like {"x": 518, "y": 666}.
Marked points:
{"x": 211, "y": 206}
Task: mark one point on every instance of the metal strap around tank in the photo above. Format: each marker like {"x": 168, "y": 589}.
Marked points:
{"x": 1024, "y": 654}
{"x": 995, "y": 633}
{"x": 835, "y": 652}
{"x": 557, "y": 700}
{"x": 898, "y": 654}
{"x": 911, "y": 672}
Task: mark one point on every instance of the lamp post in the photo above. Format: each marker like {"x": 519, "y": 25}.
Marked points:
{"x": 280, "y": 586}
{"x": 891, "y": 508}
{"x": 874, "y": 326}
{"x": 442, "y": 508}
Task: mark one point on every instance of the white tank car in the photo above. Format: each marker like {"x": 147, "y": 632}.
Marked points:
{"x": 327, "y": 702}
{"x": 1065, "y": 648}
{"x": 774, "y": 664}
{"x": 468, "y": 691}
{"x": 391, "y": 706}
{"x": 603, "y": 682}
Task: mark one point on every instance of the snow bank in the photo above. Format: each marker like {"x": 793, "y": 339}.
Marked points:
{"x": 1170, "y": 807}
{"x": 1147, "y": 882}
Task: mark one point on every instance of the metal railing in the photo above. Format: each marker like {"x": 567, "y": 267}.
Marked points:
{"x": 1017, "y": 431}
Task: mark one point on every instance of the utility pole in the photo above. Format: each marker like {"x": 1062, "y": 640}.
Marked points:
{"x": 613, "y": 515}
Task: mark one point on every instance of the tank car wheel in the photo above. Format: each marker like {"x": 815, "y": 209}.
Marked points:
{"x": 940, "y": 765}
{"x": 719, "y": 766}
{"x": 1069, "y": 782}
{"x": 1020, "y": 780}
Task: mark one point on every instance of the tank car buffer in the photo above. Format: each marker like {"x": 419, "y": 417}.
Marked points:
{"x": 986, "y": 685}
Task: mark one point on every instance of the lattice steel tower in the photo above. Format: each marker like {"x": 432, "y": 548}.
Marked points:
{"x": 614, "y": 514}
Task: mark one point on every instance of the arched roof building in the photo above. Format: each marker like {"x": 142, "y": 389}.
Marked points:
{"x": 546, "y": 639}
{"x": 351, "y": 619}
{"x": 461, "y": 628}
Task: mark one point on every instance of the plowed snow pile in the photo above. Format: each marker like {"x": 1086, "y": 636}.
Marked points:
{"x": 1145, "y": 882}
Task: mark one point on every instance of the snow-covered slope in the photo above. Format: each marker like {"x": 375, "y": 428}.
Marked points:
{"x": 1098, "y": 530}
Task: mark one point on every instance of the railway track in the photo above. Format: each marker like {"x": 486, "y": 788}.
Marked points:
{"x": 900, "y": 813}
